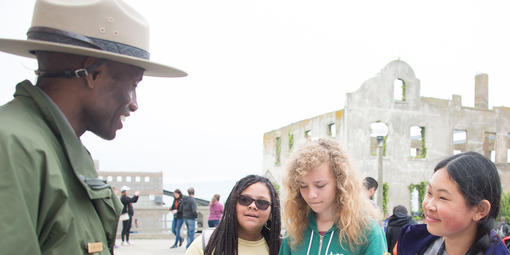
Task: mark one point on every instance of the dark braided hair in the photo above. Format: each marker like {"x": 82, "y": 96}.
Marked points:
{"x": 477, "y": 179}
{"x": 223, "y": 241}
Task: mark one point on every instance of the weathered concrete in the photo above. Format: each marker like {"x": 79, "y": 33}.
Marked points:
{"x": 374, "y": 101}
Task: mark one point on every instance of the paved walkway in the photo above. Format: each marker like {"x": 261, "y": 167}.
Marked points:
{"x": 149, "y": 247}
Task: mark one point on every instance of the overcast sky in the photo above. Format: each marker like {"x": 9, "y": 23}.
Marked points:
{"x": 255, "y": 66}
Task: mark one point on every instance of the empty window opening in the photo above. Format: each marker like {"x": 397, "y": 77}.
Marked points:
{"x": 109, "y": 178}
{"x": 459, "y": 141}
{"x": 374, "y": 144}
{"x": 137, "y": 179}
{"x": 147, "y": 179}
{"x": 119, "y": 178}
{"x": 399, "y": 90}
{"x": 278, "y": 150}
{"x": 128, "y": 178}
{"x": 489, "y": 145}
{"x": 415, "y": 202}
{"x": 418, "y": 149}
{"x": 332, "y": 129}
{"x": 508, "y": 148}
{"x": 291, "y": 140}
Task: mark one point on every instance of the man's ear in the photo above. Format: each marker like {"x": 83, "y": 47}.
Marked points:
{"x": 91, "y": 78}
{"x": 482, "y": 210}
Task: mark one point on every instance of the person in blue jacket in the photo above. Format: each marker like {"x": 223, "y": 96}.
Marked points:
{"x": 460, "y": 207}
{"x": 326, "y": 210}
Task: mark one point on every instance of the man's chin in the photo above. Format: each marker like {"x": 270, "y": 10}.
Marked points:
{"x": 106, "y": 136}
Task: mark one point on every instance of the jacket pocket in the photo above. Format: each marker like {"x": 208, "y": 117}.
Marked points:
{"x": 107, "y": 206}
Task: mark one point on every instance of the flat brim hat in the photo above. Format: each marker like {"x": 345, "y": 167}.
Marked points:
{"x": 124, "y": 188}
{"x": 105, "y": 29}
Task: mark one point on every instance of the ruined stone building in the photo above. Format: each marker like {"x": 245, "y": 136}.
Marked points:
{"x": 422, "y": 131}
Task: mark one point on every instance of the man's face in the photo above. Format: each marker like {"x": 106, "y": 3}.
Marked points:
{"x": 114, "y": 97}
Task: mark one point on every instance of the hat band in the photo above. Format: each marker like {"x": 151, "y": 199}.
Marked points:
{"x": 66, "y": 37}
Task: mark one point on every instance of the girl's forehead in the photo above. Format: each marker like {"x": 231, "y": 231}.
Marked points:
{"x": 318, "y": 173}
{"x": 257, "y": 189}
{"x": 441, "y": 179}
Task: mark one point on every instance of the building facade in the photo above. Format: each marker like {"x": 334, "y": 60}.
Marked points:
{"x": 150, "y": 212}
{"x": 422, "y": 131}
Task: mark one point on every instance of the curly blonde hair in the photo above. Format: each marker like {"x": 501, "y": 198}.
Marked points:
{"x": 354, "y": 212}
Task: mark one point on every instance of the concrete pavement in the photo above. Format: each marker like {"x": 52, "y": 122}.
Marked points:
{"x": 149, "y": 247}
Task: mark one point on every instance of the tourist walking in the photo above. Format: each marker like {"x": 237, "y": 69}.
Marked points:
{"x": 189, "y": 214}
{"x": 215, "y": 211}
{"x": 177, "y": 221}
{"x": 127, "y": 202}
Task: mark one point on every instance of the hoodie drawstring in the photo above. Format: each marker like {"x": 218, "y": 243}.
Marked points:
{"x": 329, "y": 242}
{"x": 327, "y": 247}
{"x": 310, "y": 243}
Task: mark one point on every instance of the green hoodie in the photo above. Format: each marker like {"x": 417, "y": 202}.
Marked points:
{"x": 314, "y": 243}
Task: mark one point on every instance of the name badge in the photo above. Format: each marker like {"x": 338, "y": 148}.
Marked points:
{"x": 95, "y": 247}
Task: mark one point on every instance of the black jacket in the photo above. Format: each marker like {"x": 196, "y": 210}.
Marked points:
{"x": 188, "y": 207}
{"x": 395, "y": 224}
{"x": 175, "y": 206}
{"x": 128, "y": 207}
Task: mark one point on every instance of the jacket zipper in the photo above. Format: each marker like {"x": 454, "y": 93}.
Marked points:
{"x": 320, "y": 243}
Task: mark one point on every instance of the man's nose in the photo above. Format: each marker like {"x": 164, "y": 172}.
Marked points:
{"x": 133, "y": 104}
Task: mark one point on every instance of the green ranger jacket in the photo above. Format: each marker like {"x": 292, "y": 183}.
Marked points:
{"x": 52, "y": 201}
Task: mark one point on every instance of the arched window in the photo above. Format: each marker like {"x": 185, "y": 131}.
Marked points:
{"x": 418, "y": 149}
{"x": 399, "y": 90}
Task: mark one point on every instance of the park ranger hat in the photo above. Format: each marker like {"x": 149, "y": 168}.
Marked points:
{"x": 106, "y": 29}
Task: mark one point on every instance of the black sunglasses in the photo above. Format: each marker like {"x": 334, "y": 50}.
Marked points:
{"x": 259, "y": 203}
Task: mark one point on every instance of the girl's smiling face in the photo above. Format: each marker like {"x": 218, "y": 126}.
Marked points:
{"x": 250, "y": 218}
{"x": 446, "y": 211}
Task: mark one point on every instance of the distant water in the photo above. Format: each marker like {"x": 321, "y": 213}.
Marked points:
{"x": 203, "y": 189}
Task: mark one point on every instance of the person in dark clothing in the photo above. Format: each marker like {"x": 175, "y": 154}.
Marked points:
{"x": 177, "y": 222}
{"x": 399, "y": 219}
{"x": 502, "y": 229}
{"x": 189, "y": 214}
{"x": 128, "y": 208}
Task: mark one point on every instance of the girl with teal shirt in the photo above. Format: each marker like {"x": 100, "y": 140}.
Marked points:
{"x": 326, "y": 210}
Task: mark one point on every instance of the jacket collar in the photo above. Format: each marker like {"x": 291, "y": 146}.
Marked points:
{"x": 78, "y": 156}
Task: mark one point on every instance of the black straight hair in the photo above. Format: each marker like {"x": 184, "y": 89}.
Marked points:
{"x": 478, "y": 179}
{"x": 224, "y": 238}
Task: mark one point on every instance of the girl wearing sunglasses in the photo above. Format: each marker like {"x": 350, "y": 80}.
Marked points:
{"x": 326, "y": 211}
{"x": 250, "y": 223}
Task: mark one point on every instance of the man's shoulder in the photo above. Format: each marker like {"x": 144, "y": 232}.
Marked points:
{"x": 19, "y": 118}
